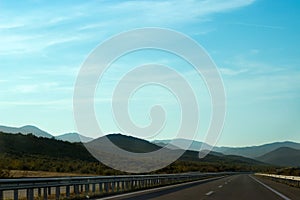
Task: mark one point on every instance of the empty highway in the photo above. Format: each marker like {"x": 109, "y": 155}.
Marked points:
{"x": 246, "y": 187}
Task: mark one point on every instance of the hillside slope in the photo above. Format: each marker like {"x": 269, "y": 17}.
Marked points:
{"x": 257, "y": 151}
{"x": 73, "y": 137}
{"x": 29, "y": 145}
{"x": 137, "y": 145}
{"x": 250, "y": 152}
{"x": 283, "y": 156}
{"x": 28, "y": 152}
{"x": 25, "y": 130}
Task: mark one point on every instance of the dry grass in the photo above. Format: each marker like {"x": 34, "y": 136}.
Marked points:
{"x": 23, "y": 174}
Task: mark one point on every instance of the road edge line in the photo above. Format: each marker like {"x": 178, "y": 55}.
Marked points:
{"x": 271, "y": 189}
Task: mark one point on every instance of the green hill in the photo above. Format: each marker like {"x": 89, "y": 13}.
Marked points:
{"x": 283, "y": 156}
{"x": 132, "y": 144}
{"x": 256, "y": 151}
{"x": 137, "y": 145}
{"x": 25, "y": 130}
{"x": 29, "y": 145}
{"x": 28, "y": 152}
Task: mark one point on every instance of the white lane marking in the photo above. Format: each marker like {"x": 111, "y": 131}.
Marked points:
{"x": 159, "y": 188}
{"x": 209, "y": 193}
{"x": 225, "y": 183}
{"x": 220, "y": 186}
{"x": 268, "y": 187}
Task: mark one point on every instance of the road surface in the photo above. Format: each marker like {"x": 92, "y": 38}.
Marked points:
{"x": 245, "y": 187}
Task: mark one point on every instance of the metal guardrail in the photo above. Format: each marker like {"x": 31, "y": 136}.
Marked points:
{"x": 289, "y": 180}
{"x": 80, "y": 187}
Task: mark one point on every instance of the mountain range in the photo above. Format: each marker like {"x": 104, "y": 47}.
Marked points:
{"x": 278, "y": 153}
{"x": 250, "y": 152}
{"x": 74, "y": 137}
{"x": 283, "y": 156}
{"x": 29, "y": 146}
{"x": 25, "y": 130}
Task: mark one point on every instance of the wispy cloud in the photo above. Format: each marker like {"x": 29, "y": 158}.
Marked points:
{"x": 62, "y": 26}
{"x": 63, "y": 40}
{"x": 232, "y": 72}
{"x": 63, "y": 102}
{"x": 39, "y": 88}
{"x": 258, "y": 25}
{"x": 10, "y": 26}
{"x": 26, "y": 88}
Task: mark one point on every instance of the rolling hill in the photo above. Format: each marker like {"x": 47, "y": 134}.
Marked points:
{"x": 257, "y": 151}
{"x": 29, "y": 146}
{"x": 73, "y": 137}
{"x": 182, "y": 143}
{"x": 250, "y": 152}
{"x": 127, "y": 143}
{"x": 137, "y": 145}
{"x": 26, "y": 130}
{"x": 283, "y": 156}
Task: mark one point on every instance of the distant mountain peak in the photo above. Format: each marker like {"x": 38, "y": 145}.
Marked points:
{"x": 27, "y": 129}
{"x": 30, "y": 126}
{"x": 282, "y": 156}
{"x": 74, "y": 137}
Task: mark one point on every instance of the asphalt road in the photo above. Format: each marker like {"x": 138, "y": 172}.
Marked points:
{"x": 241, "y": 187}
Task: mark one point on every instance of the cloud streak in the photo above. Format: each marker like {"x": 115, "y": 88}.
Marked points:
{"x": 259, "y": 26}
{"x": 62, "y": 25}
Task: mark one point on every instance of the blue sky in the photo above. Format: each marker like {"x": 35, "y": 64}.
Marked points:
{"x": 254, "y": 43}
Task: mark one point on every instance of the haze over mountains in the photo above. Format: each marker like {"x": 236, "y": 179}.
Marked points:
{"x": 283, "y": 156}
{"x": 28, "y": 129}
{"x": 29, "y": 145}
{"x": 278, "y": 153}
{"x": 250, "y": 152}
{"x": 73, "y": 137}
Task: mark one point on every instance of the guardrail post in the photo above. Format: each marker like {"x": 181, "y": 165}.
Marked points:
{"x": 131, "y": 184}
{"x": 45, "y": 194}
{"x": 100, "y": 187}
{"x": 57, "y": 192}
{"x": 118, "y": 186}
{"x": 94, "y": 187}
{"x": 49, "y": 191}
{"x": 87, "y": 188}
{"x": 16, "y": 194}
{"x": 30, "y": 194}
{"x": 127, "y": 185}
{"x": 76, "y": 189}
{"x": 68, "y": 191}
{"x": 123, "y": 185}
{"x": 113, "y": 186}
{"x": 39, "y": 192}
{"x": 1, "y": 195}
{"x": 106, "y": 187}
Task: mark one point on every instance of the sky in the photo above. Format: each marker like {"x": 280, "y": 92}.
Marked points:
{"x": 254, "y": 44}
